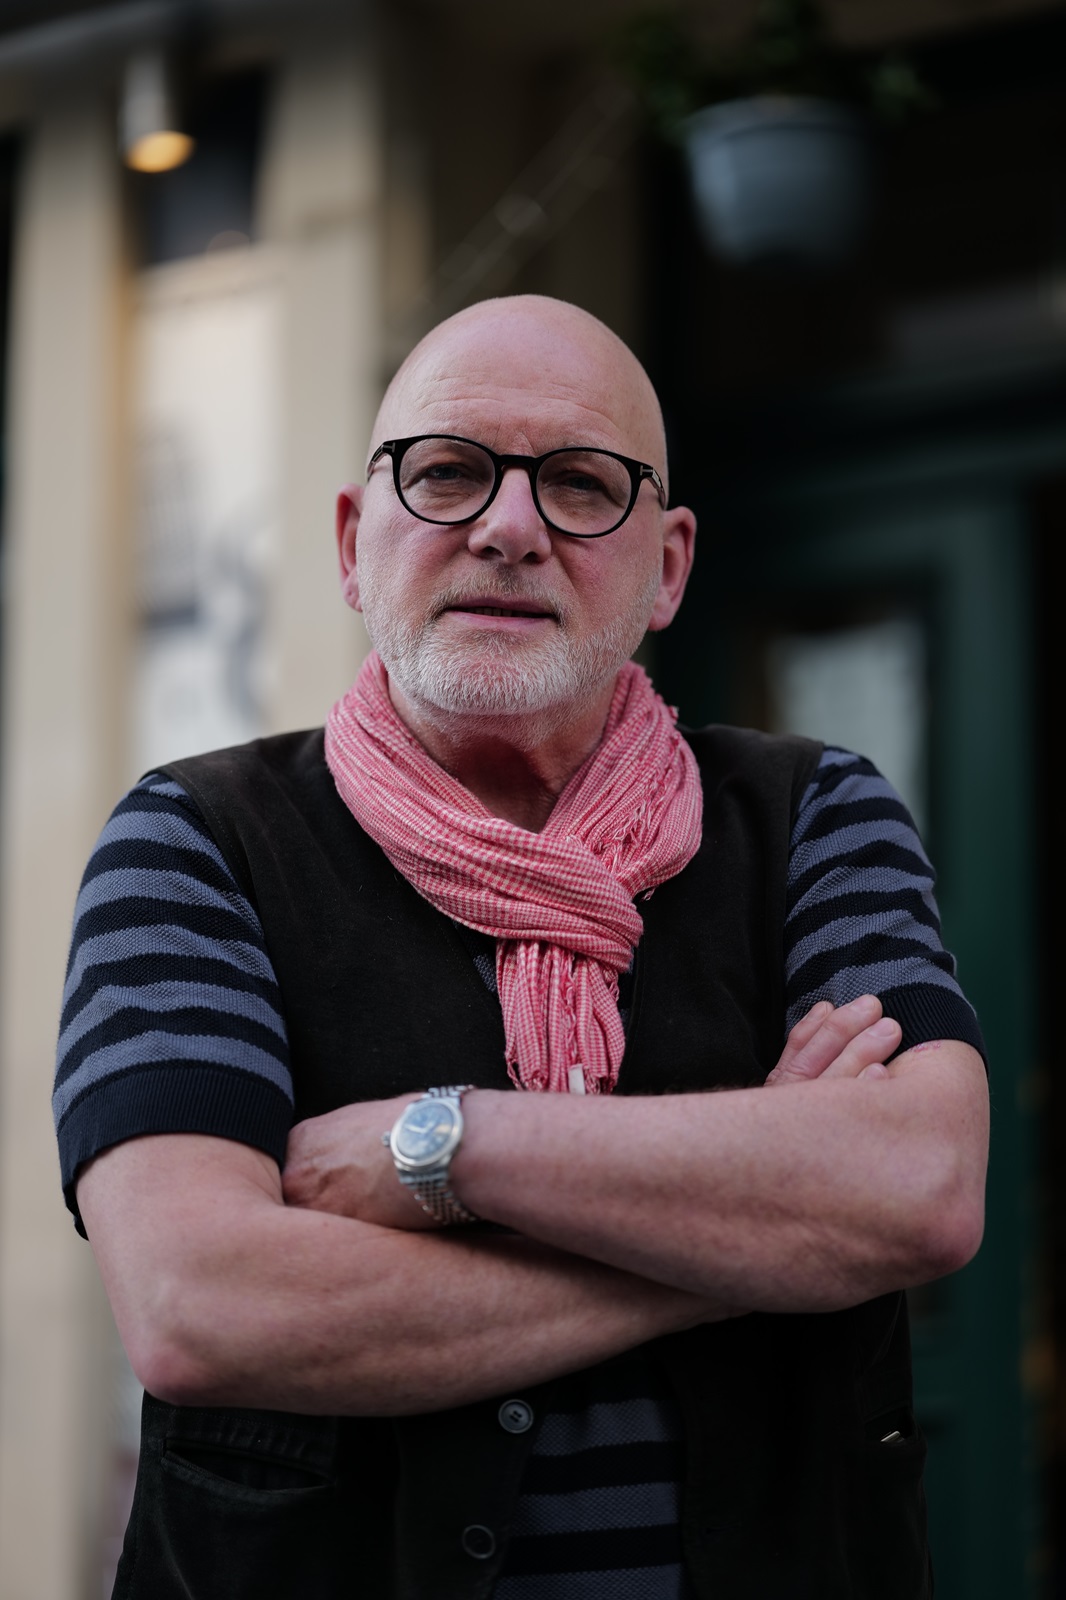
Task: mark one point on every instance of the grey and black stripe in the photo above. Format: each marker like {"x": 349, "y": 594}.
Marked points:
{"x": 171, "y": 1016}
{"x": 861, "y": 917}
{"x": 599, "y": 1513}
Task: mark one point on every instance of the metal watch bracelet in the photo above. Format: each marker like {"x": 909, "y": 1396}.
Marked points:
{"x": 430, "y": 1187}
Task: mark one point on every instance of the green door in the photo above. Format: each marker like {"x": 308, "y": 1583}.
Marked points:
{"x": 888, "y": 594}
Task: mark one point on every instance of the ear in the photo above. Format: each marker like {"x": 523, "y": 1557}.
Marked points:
{"x": 349, "y": 510}
{"x": 679, "y": 541}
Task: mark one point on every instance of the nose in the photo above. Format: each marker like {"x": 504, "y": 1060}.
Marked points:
{"x": 511, "y": 528}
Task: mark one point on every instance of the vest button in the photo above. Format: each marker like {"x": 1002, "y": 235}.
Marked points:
{"x": 516, "y": 1416}
{"x": 478, "y": 1541}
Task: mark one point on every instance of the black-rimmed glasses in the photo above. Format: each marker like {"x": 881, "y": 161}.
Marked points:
{"x": 578, "y": 490}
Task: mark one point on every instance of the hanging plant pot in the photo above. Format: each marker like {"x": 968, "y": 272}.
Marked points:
{"x": 780, "y": 182}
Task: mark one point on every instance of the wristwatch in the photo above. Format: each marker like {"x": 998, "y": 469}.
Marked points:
{"x": 423, "y": 1140}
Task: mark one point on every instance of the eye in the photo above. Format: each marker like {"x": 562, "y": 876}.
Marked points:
{"x": 578, "y": 481}
{"x": 445, "y": 471}
{"x": 444, "y": 464}
{"x": 579, "y": 476}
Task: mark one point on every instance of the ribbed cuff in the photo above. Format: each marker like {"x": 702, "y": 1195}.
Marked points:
{"x": 925, "y": 1011}
{"x": 172, "y": 1097}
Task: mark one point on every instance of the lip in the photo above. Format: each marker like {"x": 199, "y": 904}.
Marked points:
{"x": 497, "y": 612}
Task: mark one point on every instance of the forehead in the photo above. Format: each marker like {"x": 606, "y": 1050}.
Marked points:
{"x": 525, "y": 383}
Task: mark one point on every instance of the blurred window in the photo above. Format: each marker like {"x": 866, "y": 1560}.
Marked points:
{"x": 861, "y": 686}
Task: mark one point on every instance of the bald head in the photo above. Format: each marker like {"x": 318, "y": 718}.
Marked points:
{"x": 531, "y": 358}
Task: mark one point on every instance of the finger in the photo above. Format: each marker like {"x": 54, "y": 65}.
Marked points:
{"x": 869, "y": 1050}
{"x": 806, "y": 1028}
{"x": 800, "y": 1036}
{"x": 835, "y": 1031}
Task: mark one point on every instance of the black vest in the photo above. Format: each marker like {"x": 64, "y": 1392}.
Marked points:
{"x": 789, "y": 1492}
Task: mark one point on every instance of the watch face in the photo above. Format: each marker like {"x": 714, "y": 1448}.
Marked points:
{"x": 426, "y": 1132}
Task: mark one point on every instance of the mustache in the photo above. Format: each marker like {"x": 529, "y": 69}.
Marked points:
{"x": 504, "y": 589}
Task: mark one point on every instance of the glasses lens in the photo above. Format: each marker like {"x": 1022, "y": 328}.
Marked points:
{"x": 445, "y": 480}
{"x": 584, "y": 491}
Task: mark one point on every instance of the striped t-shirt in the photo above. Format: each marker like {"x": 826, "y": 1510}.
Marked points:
{"x": 173, "y": 1022}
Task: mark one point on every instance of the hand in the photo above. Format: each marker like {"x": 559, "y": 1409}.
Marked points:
{"x": 849, "y": 1041}
{"x": 338, "y": 1163}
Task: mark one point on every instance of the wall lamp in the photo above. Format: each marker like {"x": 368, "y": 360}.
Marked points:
{"x": 150, "y": 139}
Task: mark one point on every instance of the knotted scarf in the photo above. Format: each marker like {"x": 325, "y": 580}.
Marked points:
{"x": 559, "y": 902}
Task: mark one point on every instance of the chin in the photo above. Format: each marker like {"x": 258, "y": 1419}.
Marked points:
{"x": 545, "y": 685}
{"x": 488, "y": 684}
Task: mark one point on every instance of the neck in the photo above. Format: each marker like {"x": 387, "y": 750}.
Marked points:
{"x": 517, "y": 766}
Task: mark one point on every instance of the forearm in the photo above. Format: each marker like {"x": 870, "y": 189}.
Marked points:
{"x": 420, "y": 1322}
{"x": 805, "y": 1198}
{"x": 258, "y": 1304}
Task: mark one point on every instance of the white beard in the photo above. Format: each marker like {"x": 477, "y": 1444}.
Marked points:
{"x": 499, "y": 676}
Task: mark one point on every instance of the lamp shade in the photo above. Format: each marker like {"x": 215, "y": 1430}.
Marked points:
{"x": 150, "y": 136}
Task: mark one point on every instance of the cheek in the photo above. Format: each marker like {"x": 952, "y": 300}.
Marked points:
{"x": 370, "y": 581}
{"x": 377, "y": 555}
{"x": 614, "y": 587}
{"x": 590, "y": 575}
{"x": 397, "y": 569}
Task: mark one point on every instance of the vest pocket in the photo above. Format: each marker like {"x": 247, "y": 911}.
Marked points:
{"x": 204, "y": 1536}
{"x": 243, "y": 1504}
{"x": 224, "y": 1470}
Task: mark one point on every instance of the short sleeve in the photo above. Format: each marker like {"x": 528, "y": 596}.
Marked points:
{"x": 861, "y": 915}
{"x": 172, "y": 1019}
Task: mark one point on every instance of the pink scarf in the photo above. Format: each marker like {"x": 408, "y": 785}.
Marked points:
{"x": 559, "y": 902}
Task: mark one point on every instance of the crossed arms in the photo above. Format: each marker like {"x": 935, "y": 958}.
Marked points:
{"x": 326, "y": 1289}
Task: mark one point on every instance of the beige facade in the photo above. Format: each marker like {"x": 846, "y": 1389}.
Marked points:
{"x": 70, "y": 639}
{"x": 64, "y": 598}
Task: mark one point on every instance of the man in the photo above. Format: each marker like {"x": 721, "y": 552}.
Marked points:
{"x": 638, "y": 1343}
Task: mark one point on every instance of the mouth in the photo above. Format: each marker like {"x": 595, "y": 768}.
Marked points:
{"x": 498, "y": 611}
{"x": 520, "y": 611}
